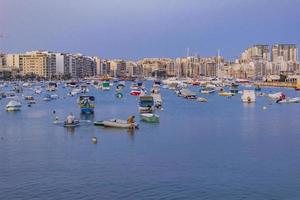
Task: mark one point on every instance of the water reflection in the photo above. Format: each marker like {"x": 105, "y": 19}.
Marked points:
{"x": 249, "y": 105}
{"x": 70, "y": 130}
{"x": 84, "y": 116}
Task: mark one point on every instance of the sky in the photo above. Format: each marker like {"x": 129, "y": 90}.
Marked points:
{"x": 134, "y": 29}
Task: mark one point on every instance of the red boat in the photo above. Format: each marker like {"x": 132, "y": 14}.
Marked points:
{"x": 135, "y": 92}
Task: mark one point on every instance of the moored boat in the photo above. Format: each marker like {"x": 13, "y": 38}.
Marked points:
{"x": 248, "y": 96}
{"x": 226, "y": 94}
{"x": 135, "y": 92}
{"x": 86, "y": 104}
{"x": 13, "y": 105}
{"x": 146, "y": 104}
{"x": 116, "y": 123}
{"x": 150, "y": 117}
{"x": 201, "y": 99}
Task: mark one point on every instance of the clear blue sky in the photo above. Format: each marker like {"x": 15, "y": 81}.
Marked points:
{"x": 133, "y": 29}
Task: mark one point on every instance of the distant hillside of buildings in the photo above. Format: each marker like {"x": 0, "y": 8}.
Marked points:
{"x": 255, "y": 62}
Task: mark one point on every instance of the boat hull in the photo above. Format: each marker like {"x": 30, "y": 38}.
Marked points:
{"x": 119, "y": 124}
{"x": 87, "y": 110}
{"x": 150, "y": 118}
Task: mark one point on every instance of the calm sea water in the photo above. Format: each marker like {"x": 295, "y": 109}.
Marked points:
{"x": 222, "y": 149}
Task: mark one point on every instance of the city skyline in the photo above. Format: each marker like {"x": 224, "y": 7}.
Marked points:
{"x": 135, "y": 30}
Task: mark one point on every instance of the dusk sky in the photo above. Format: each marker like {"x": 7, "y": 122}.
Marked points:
{"x": 133, "y": 29}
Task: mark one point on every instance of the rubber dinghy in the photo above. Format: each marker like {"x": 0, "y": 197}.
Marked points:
{"x": 115, "y": 123}
{"x": 75, "y": 124}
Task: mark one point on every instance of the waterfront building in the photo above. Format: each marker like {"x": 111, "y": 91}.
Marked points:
{"x": 256, "y": 53}
{"x": 118, "y": 68}
{"x": 35, "y": 63}
{"x": 98, "y": 66}
{"x": 133, "y": 69}
{"x": 157, "y": 67}
{"x": 284, "y": 52}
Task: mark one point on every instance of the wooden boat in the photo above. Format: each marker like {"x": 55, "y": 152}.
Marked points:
{"x": 135, "y": 92}
{"x": 226, "y": 94}
{"x": 149, "y": 117}
{"x": 86, "y": 104}
{"x": 146, "y": 104}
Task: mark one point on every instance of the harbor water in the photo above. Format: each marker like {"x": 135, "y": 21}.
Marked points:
{"x": 222, "y": 149}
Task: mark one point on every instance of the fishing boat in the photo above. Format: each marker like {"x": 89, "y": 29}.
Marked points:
{"x": 74, "y": 92}
{"x": 38, "y": 91}
{"x": 150, "y": 117}
{"x": 234, "y": 88}
{"x": 185, "y": 93}
{"x": 30, "y": 99}
{"x": 248, "y": 96}
{"x": 52, "y": 86}
{"x": 84, "y": 88}
{"x": 116, "y": 123}
{"x": 226, "y": 94}
{"x": 10, "y": 95}
{"x": 135, "y": 92}
{"x": 201, "y": 99}
{"x": 276, "y": 96}
{"x": 47, "y": 97}
{"x": 155, "y": 89}
{"x": 86, "y": 104}
{"x": 54, "y": 96}
{"x": 157, "y": 100}
{"x": 119, "y": 94}
{"x": 13, "y": 105}
{"x": 120, "y": 85}
{"x": 105, "y": 86}
{"x": 207, "y": 91}
{"x": 146, "y": 104}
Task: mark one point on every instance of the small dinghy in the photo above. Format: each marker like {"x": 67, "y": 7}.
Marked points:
{"x": 116, "y": 123}
{"x": 201, "y": 99}
{"x": 150, "y": 117}
{"x": 75, "y": 124}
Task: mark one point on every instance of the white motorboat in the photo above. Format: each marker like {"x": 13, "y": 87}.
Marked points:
{"x": 201, "y": 99}
{"x": 248, "y": 96}
{"x": 157, "y": 100}
{"x": 146, "y": 104}
{"x": 275, "y": 96}
{"x": 13, "y": 105}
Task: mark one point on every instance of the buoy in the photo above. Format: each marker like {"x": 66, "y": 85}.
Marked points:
{"x": 94, "y": 140}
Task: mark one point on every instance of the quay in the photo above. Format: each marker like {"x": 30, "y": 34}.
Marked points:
{"x": 276, "y": 84}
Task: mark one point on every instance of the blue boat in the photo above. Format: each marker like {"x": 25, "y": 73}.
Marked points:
{"x": 87, "y": 104}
